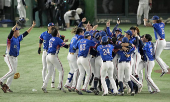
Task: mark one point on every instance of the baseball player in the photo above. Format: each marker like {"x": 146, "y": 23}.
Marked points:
{"x": 53, "y": 61}
{"x": 124, "y": 67}
{"x": 149, "y": 56}
{"x": 44, "y": 38}
{"x": 72, "y": 59}
{"x": 74, "y": 14}
{"x": 21, "y": 8}
{"x": 159, "y": 31}
{"x": 83, "y": 61}
{"x": 10, "y": 57}
{"x": 107, "y": 67}
{"x": 144, "y": 6}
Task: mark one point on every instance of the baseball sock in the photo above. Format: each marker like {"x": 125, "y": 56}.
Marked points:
{"x": 107, "y": 81}
{"x": 91, "y": 79}
{"x": 95, "y": 82}
{"x": 117, "y": 83}
{"x": 130, "y": 85}
{"x": 121, "y": 86}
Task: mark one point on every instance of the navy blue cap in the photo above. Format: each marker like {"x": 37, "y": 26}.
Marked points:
{"x": 119, "y": 29}
{"x": 51, "y": 24}
{"x": 155, "y": 18}
{"x": 87, "y": 34}
{"x": 125, "y": 40}
{"x": 102, "y": 33}
{"x": 97, "y": 35}
{"x": 104, "y": 39}
{"x": 119, "y": 36}
{"x": 128, "y": 32}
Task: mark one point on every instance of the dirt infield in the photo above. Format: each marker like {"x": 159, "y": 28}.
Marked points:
{"x": 160, "y": 71}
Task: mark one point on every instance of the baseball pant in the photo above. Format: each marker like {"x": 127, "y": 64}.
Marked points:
{"x": 22, "y": 12}
{"x": 160, "y": 45}
{"x": 44, "y": 71}
{"x": 107, "y": 68}
{"x": 73, "y": 74}
{"x": 148, "y": 71}
{"x": 142, "y": 8}
{"x": 115, "y": 63}
{"x": 137, "y": 59}
{"x": 140, "y": 70}
{"x": 53, "y": 61}
{"x": 12, "y": 64}
{"x": 84, "y": 66}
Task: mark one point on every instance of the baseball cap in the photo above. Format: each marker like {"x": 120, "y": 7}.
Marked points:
{"x": 128, "y": 32}
{"x": 155, "y": 18}
{"x": 51, "y": 24}
{"x": 119, "y": 29}
{"x": 104, "y": 39}
{"x": 87, "y": 34}
{"x": 102, "y": 33}
{"x": 125, "y": 40}
{"x": 97, "y": 35}
{"x": 119, "y": 36}
{"x": 17, "y": 28}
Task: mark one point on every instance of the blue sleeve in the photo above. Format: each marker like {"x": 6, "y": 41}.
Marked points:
{"x": 131, "y": 51}
{"x": 41, "y": 36}
{"x": 98, "y": 49}
{"x": 114, "y": 29}
{"x": 61, "y": 43}
{"x": 76, "y": 45}
{"x": 92, "y": 43}
{"x": 20, "y": 38}
{"x": 80, "y": 37}
{"x": 80, "y": 24}
{"x": 108, "y": 31}
{"x": 157, "y": 29}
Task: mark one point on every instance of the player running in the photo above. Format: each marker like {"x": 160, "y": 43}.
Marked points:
{"x": 159, "y": 31}
{"x": 10, "y": 57}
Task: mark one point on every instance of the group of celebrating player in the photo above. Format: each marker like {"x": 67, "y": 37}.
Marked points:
{"x": 106, "y": 60}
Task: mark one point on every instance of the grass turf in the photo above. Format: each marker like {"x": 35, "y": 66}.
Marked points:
{"x": 30, "y": 68}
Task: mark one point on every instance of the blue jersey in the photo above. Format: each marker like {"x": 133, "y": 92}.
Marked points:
{"x": 13, "y": 45}
{"x": 93, "y": 51}
{"x": 159, "y": 30}
{"x": 149, "y": 50}
{"x": 122, "y": 55}
{"x": 106, "y": 52}
{"x": 54, "y": 44}
{"x": 132, "y": 40}
{"x": 84, "y": 45}
{"x": 74, "y": 41}
{"x": 45, "y": 36}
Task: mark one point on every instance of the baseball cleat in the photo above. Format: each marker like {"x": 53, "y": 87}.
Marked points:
{"x": 133, "y": 93}
{"x": 162, "y": 74}
{"x": 115, "y": 94}
{"x": 73, "y": 89}
{"x": 87, "y": 91}
{"x": 52, "y": 85}
{"x": 9, "y": 90}
{"x": 4, "y": 87}
{"x": 79, "y": 92}
{"x": 104, "y": 94}
{"x": 44, "y": 90}
{"x": 154, "y": 92}
{"x": 92, "y": 89}
{"x": 96, "y": 92}
{"x": 59, "y": 88}
{"x": 122, "y": 93}
{"x": 128, "y": 90}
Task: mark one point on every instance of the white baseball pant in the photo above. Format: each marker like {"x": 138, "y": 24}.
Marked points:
{"x": 107, "y": 68}
{"x": 72, "y": 60}
{"x": 21, "y": 11}
{"x": 12, "y": 64}
{"x": 137, "y": 59}
{"x": 53, "y": 61}
{"x": 84, "y": 66}
{"x": 140, "y": 70}
{"x": 44, "y": 71}
{"x": 160, "y": 45}
{"x": 150, "y": 65}
{"x": 115, "y": 63}
{"x": 142, "y": 8}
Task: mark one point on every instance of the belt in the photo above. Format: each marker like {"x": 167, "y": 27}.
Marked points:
{"x": 52, "y": 53}
{"x": 161, "y": 39}
{"x": 124, "y": 61}
{"x": 72, "y": 53}
{"x": 106, "y": 61}
{"x": 12, "y": 56}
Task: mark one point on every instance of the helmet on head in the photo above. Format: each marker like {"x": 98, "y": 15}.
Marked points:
{"x": 104, "y": 39}
{"x": 79, "y": 10}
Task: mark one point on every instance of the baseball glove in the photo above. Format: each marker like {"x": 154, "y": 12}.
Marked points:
{"x": 16, "y": 76}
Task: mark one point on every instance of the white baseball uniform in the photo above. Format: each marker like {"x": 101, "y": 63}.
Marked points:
{"x": 68, "y": 14}
{"x": 21, "y": 9}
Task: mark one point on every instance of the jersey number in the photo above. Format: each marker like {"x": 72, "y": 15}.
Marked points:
{"x": 106, "y": 51}
{"x": 163, "y": 31}
{"x": 82, "y": 47}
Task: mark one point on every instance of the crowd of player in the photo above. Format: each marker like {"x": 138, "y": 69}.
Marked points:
{"x": 106, "y": 60}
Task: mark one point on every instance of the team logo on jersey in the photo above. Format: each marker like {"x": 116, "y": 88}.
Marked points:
{"x": 15, "y": 46}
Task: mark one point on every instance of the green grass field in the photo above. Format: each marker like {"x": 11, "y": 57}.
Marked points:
{"x": 30, "y": 68}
